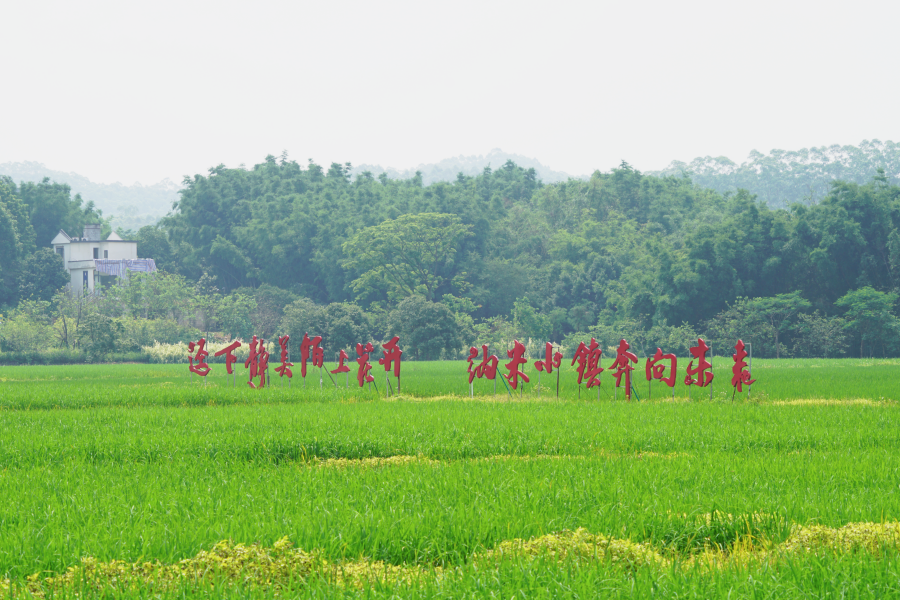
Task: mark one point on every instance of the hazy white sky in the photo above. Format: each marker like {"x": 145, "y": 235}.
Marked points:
{"x": 128, "y": 91}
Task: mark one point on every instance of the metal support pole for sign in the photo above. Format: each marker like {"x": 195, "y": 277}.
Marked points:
{"x": 471, "y": 390}
{"x": 320, "y": 378}
{"x": 539, "y": 384}
{"x": 579, "y": 391}
{"x": 387, "y": 386}
{"x": 616, "y": 391}
{"x": 348, "y": 379}
{"x": 495, "y": 385}
{"x": 398, "y": 382}
{"x": 557, "y": 384}
{"x": 751, "y": 369}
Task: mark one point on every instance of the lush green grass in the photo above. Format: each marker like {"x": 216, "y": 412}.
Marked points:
{"x": 88, "y": 386}
{"x": 134, "y": 462}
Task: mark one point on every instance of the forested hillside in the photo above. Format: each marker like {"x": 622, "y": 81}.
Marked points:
{"x": 782, "y": 178}
{"x": 659, "y": 259}
{"x": 130, "y": 206}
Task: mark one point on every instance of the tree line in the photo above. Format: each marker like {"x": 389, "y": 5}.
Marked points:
{"x": 502, "y": 255}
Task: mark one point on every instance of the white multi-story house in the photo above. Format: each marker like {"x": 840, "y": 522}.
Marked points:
{"x": 89, "y": 258}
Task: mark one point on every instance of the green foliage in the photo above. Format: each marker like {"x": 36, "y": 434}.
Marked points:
{"x": 622, "y": 254}
{"x": 16, "y": 240}
{"x": 870, "y": 315}
{"x": 270, "y": 304}
{"x": 43, "y": 274}
{"x": 529, "y": 322}
{"x": 341, "y": 325}
{"x": 26, "y": 329}
{"x": 405, "y": 256}
{"x": 51, "y": 207}
{"x": 156, "y": 295}
{"x": 777, "y": 312}
{"x": 304, "y": 316}
{"x": 98, "y": 334}
{"x": 234, "y": 315}
{"x": 426, "y": 329}
{"x": 782, "y": 178}
{"x": 143, "y": 475}
{"x": 145, "y": 332}
{"x": 820, "y": 335}
{"x": 152, "y": 242}
{"x": 346, "y": 326}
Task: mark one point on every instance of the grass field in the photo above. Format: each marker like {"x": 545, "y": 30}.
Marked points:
{"x": 426, "y": 493}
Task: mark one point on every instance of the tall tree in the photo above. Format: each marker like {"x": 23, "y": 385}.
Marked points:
{"x": 870, "y": 315}
{"x": 406, "y": 255}
{"x": 778, "y": 311}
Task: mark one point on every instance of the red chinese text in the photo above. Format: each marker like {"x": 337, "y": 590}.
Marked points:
{"x": 739, "y": 376}
{"x": 656, "y": 370}
{"x": 201, "y": 368}
{"x": 622, "y": 365}
{"x": 699, "y": 352}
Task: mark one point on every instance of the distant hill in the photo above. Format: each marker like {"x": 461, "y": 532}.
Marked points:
{"x": 447, "y": 169}
{"x": 782, "y": 178}
{"x": 132, "y": 206}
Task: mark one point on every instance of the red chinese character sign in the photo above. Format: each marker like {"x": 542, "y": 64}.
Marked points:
{"x": 230, "y": 358}
{"x": 342, "y": 368}
{"x": 588, "y": 358}
{"x": 362, "y": 373}
{"x": 257, "y": 362}
{"x": 309, "y": 348}
{"x": 392, "y": 354}
{"x": 550, "y": 361}
{"x": 699, "y": 353}
{"x": 622, "y": 365}
{"x": 201, "y": 368}
{"x": 740, "y": 376}
{"x": 285, "y": 367}
{"x": 655, "y": 368}
{"x": 486, "y": 368}
{"x": 517, "y": 356}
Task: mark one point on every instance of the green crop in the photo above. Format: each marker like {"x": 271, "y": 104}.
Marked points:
{"x": 137, "y": 464}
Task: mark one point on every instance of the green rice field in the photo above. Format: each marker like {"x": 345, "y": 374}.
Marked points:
{"x": 140, "y": 481}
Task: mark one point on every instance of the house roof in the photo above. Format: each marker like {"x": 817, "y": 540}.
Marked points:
{"x": 61, "y": 238}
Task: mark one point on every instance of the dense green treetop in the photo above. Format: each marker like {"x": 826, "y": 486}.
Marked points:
{"x": 782, "y": 178}
{"x": 292, "y": 245}
{"x": 621, "y": 246}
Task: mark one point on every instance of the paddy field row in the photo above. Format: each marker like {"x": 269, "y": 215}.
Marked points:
{"x": 133, "y": 463}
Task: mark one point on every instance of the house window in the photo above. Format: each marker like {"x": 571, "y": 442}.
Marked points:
{"x": 60, "y": 251}
{"x": 106, "y": 254}
{"x": 96, "y": 252}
